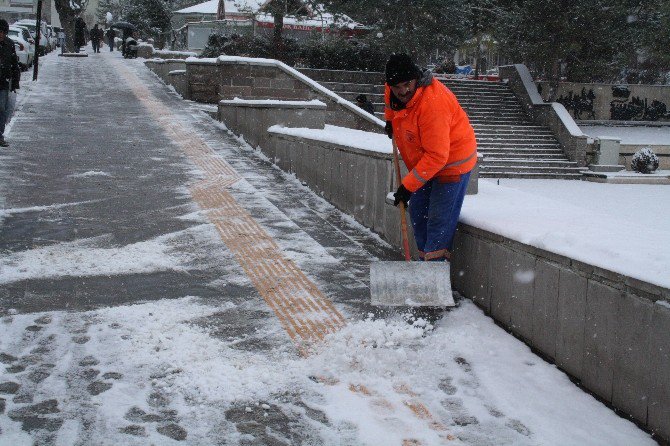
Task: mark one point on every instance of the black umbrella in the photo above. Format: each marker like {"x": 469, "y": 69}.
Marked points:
{"x": 123, "y": 25}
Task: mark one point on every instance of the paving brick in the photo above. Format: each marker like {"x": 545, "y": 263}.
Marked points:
{"x": 545, "y": 307}
{"x": 659, "y": 394}
{"x": 571, "y": 313}
{"x": 602, "y": 304}
{"x": 632, "y": 365}
{"x": 370, "y": 193}
{"x": 523, "y": 276}
{"x": 350, "y": 185}
{"x": 481, "y": 268}
{"x": 500, "y": 260}
{"x": 461, "y": 259}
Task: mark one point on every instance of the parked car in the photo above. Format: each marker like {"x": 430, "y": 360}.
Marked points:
{"x": 21, "y": 36}
{"x": 21, "y": 54}
{"x": 44, "y": 44}
{"x": 53, "y": 36}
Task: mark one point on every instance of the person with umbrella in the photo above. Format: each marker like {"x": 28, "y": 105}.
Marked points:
{"x": 127, "y": 32}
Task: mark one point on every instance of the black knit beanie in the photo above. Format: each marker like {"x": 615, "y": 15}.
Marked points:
{"x": 401, "y": 68}
{"x": 4, "y": 26}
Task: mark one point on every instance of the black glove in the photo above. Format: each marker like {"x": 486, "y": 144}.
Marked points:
{"x": 402, "y": 194}
{"x": 388, "y": 128}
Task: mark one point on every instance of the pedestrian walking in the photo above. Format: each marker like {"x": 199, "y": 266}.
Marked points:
{"x": 362, "y": 102}
{"x": 79, "y": 34}
{"x": 439, "y": 148}
{"x": 110, "y": 38}
{"x": 61, "y": 41}
{"x": 10, "y": 75}
{"x": 96, "y": 37}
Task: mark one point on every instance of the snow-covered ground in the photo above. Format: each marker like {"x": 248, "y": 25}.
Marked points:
{"x": 482, "y": 384}
{"x": 619, "y": 227}
{"x": 154, "y": 372}
{"x": 630, "y": 134}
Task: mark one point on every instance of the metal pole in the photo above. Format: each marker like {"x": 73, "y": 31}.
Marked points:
{"x": 38, "y": 33}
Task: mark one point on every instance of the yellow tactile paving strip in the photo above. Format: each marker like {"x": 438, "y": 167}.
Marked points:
{"x": 304, "y": 312}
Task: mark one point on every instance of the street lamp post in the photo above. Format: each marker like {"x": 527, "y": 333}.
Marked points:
{"x": 38, "y": 33}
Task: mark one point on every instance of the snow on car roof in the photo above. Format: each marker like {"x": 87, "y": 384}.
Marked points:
{"x": 211, "y": 6}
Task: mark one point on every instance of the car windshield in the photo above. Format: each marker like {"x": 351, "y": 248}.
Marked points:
{"x": 29, "y": 26}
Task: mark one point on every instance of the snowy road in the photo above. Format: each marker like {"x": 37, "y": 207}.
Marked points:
{"x": 130, "y": 315}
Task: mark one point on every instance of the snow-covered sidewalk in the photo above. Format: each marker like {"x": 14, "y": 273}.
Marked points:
{"x": 126, "y": 320}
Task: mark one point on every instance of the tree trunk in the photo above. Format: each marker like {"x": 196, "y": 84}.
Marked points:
{"x": 478, "y": 55}
{"x": 277, "y": 40}
{"x": 67, "y": 11}
{"x": 67, "y": 23}
{"x": 554, "y": 79}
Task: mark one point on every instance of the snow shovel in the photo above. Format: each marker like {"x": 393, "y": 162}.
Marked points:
{"x": 413, "y": 284}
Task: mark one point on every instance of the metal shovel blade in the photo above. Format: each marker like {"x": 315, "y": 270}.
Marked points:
{"x": 414, "y": 284}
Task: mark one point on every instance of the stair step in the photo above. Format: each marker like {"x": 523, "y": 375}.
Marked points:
{"x": 537, "y": 154}
{"x": 529, "y": 162}
{"x": 532, "y": 176}
{"x": 507, "y": 127}
{"x": 505, "y": 132}
{"x": 527, "y": 169}
{"x": 512, "y": 146}
{"x": 488, "y": 141}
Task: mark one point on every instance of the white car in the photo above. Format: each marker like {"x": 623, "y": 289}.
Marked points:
{"x": 44, "y": 45}
{"x": 22, "y": 55}
{"x": 56, "y": 30}
{"x": 53, "y": 39}
{"x": 22, "y": 37}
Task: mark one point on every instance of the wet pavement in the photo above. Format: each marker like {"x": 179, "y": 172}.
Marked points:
{"x": 162, "y": 283}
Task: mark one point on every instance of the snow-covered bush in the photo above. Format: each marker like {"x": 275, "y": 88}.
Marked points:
{"x": 644, "y": 161}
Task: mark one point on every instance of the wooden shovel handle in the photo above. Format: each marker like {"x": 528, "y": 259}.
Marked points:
{"x": 401, "y": 206}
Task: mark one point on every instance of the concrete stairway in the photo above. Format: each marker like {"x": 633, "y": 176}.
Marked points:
{"x": 512, "y": 145}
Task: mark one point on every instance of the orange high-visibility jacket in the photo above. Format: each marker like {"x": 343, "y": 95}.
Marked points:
{"x": 433, "y": 134}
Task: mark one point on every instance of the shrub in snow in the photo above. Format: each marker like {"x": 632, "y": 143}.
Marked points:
{"x": 644, "y": 161}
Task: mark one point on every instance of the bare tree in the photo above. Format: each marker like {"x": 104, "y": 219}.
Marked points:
{"x": 68, "y": 11}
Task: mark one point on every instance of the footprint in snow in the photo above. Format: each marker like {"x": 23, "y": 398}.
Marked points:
{"x": 89, "y": 361}
{"x": 98, "y": 387}
{"x": 44, "y": 320}
{"x": 135, "y": 430}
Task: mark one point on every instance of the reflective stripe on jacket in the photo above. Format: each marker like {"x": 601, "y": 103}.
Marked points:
{"x": 433, "y": 134}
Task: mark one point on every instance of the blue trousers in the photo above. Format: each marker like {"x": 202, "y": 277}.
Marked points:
{"x": 434, "y": 210}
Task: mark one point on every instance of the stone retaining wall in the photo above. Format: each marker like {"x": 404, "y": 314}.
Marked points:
{"x": 268, "y": 79}
{"x": 210, "y": 80}
{"x": 162, "y": 67}
{"x": 248, "y": 118}
{"x": 343, "y": 76}
{"x": 177, "y": 78}
{"x": 202, "y": 77}
{"x": 610, "y": 332}
{"x": 613, "y": 101}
